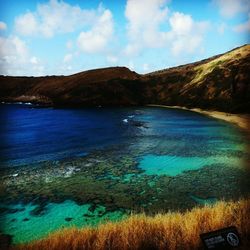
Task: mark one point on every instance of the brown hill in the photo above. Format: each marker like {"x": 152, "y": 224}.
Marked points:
{"x": 221, "y": 82}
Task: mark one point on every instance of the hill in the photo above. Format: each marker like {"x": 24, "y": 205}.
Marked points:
{"x": 221, "y": 83}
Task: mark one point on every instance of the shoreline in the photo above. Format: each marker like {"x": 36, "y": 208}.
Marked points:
{"x": 240, "y": 120}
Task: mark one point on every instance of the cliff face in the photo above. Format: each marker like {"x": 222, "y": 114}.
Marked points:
{"x": 221, "y": 82}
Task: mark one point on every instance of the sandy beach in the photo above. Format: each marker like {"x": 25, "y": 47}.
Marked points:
{"x": 241, "y": 120}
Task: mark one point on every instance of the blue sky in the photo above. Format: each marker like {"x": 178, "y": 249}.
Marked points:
{"x": 54, "y": 37}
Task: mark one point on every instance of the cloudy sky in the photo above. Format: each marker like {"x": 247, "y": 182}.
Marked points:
{"x": 54, "y": 37}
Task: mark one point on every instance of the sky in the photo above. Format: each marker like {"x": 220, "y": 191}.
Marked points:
{"x": 55, "y": 37}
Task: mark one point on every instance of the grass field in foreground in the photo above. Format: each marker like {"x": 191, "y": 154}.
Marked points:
{"x": 163, "y": 231}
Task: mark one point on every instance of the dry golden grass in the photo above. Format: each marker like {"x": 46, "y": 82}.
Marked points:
{"x": 205, "y": 69}
{"x": 163, "y": 231}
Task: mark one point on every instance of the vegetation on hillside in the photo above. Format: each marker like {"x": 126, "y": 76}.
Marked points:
{"x": 163, "y": 231}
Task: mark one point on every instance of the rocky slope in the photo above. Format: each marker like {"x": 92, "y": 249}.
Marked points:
{"x": 221, "y": 82}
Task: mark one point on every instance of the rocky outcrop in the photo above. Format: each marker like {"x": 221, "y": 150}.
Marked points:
{"x": 221, "y": 82}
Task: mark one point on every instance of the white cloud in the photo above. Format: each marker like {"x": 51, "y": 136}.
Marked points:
{"x": 244, "y": 27}
{"x": 144, "y": 19}
{"x": 148, "y": 27}
{"x": 49, "y": 19}
{"x": 186, "y": 35}
{"x": 112, "y": 59}
{"x": 230, "y": 8}
{"x": 26, "y": 24}
{"x": 15, "y": 58}
{"x": 13, "y": 47}
{"x": 181, "y": 24}
{"x": 3, "y": 26}
{"x": 54, "y": 17}
{"x": 221, "y": 28}
{"x": 133, "y": 48}
{"x": 34, "y": 60}
{"x": 186, "y": 45}
{"x": 96, "y": 39}
{"x": 67, "y": 58}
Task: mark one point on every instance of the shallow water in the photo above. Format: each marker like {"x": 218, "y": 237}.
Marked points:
{"x": 65, "y": 214}
{"x": 174, "y": 165}
{"x": 82, "y": 167}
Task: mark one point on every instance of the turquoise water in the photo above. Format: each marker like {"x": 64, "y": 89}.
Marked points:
{"x": 21, "y": 223}
{"x": 174, "y": 165}
{"x": 112, "y": 162}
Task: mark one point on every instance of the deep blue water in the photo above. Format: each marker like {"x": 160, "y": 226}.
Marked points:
{"x": 31, "y": 135}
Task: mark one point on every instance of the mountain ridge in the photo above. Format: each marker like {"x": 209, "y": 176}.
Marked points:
{"x": 221, "y": 82}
